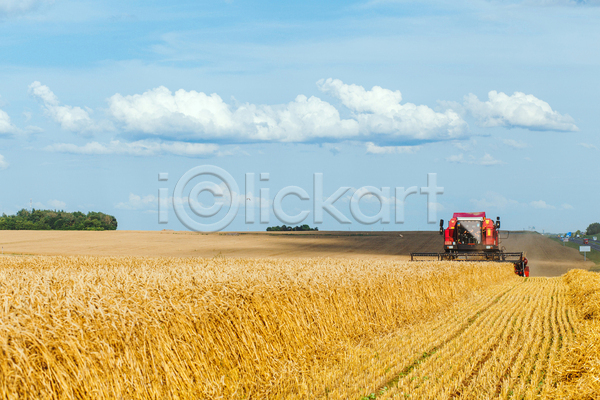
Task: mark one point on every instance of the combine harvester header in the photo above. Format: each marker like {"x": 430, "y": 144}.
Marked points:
{"x": 473, "y": 237}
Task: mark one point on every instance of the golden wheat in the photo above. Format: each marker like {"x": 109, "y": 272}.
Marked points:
{"x": 580, "y": 371}
{"x": 81, "y": 327}
{"x": 512, "y": 348}
{"x": 89, "y": 327}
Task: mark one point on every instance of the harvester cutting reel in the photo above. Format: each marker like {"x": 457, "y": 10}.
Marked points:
{"x": 517, "y": 259}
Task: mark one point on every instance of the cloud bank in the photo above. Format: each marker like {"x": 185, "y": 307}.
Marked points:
{"x": 196, "y": 115}
{"x": 376, "y": 117}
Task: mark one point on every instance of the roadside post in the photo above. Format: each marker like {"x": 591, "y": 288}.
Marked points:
{"x": 585, "y": 250}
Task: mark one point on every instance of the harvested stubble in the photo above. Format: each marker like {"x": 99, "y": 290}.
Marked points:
{"x": 508, "y": 349}
{"x": 580, "y": 374}
{"x": 80, "y": 327}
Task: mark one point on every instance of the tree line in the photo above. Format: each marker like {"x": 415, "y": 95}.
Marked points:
{"x": 289, "y": 228}
{"x": 43, "y": 220}
{"x": 593, "y": 229}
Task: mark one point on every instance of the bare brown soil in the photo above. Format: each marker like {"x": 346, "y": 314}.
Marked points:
{"x": 546, "y": 257}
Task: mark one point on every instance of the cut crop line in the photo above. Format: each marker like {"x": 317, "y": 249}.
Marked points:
{"x": 486, "y": 356}
{"x": 555, "y": 339}
{"x": 531, "y": 341}
{"x": 496, "y": 368}
{"x": 502, "y": 364}
{"x": 449, "y": 357}
{"x": 536, "y": 378}
{"x": 527, "y": 368}
{"x": 416, "y": 362}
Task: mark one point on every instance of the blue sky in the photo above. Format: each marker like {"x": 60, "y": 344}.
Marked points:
{"x": 499, "y": 98}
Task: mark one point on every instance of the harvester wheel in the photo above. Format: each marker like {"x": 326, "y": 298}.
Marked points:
{"x": 519, "y": 268}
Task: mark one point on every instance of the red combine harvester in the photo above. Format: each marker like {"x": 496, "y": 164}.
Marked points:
{"x": 473, "y": 237}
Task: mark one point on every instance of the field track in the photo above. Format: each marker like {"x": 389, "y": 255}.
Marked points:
{"x": 547, "y": 258}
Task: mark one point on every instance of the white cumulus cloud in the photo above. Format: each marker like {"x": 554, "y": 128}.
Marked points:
{"x": 71, "y": 118}
{"x": 138, "y": 148}
{"x": 519, "y": 110}
{"x": 6, "y": 126}
{"x": 380, "y": 111}
{"x": 196, "y": 115}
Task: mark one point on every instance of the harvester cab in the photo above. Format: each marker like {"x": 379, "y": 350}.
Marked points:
{"x": 474, "y": 237}
{"x": 471, "y": 232}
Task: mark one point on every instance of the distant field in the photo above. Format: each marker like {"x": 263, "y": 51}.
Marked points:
{"x": 547, "y": 258}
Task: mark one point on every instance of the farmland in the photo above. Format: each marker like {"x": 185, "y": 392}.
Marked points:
{"x": 76, "y": 327}
{"x": 353, "y": 326}
{"x": 546, "y": 257}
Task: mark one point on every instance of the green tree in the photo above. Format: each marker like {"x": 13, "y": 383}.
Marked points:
{"x": 593, "y": 229}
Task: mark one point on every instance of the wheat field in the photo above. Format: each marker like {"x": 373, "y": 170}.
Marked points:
{"x": 183, "y": 328}
{"x": 580, "y": 368}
